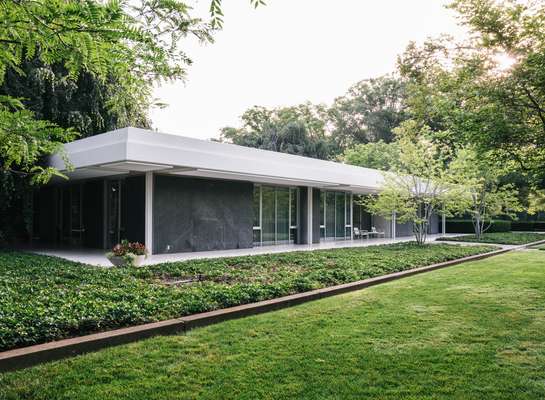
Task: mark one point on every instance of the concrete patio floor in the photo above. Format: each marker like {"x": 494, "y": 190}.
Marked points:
{"x": 97, "y": 256}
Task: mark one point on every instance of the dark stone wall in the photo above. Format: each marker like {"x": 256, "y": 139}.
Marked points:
{"x": 191, "y": 214}
{"x": 92, "y": 213}
{"x": 134, "y": 208}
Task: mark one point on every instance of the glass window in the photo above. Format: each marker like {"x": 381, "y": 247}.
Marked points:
{"x": 268, "y": 214}
{"x": 275, "y": 214}
{"x": 282, "y": 214}
{"x": 339, "y": 214}
{"x": 330, "y": 215}
{"x": 293, "y": 207}
{"x": 322, "y": 208}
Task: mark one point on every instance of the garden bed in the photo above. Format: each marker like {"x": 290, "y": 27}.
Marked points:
{"x": 514, "y": 238}
{"x": 46, "y": 298}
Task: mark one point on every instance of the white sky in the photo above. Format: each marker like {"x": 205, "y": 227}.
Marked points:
{"x": 292, "y": 51}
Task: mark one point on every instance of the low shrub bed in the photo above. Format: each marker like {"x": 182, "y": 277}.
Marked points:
{"x": 47, "y": 298}
{"x": 500, "y": 238}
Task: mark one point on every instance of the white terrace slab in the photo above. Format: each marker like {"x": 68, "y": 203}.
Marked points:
{"x": 97, "y": 257}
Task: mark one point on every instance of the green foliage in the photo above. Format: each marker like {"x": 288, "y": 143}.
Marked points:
{"x": 420, "y": 185}
{"x": 369, "y": 111}
{"x": 46, "y": 298}
{"x": 85, "y": 104}
{"x": 465, "y": 91}
{"x": 515, "y": 238}
{"x": 467, "y": 226}
{"x": 296, "y": 130}
{"x": 474, "y": 331}
{"x": 378, "y": 155}
{"x": 488, "y": 197}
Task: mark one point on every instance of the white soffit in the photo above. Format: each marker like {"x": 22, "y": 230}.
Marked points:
{"x": 128, "y": 166}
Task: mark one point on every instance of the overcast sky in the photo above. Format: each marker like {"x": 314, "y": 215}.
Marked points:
{"x": 292, "y": 51}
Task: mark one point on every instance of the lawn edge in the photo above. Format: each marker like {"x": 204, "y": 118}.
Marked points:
{"x": 24, "y": 357}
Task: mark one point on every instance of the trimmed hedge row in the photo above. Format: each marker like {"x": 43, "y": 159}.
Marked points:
{"x": 515, "y": 238}
{"x": 466, "y": 226}
{"x": 47, "y": 298}
{"x": 528, "y": 226}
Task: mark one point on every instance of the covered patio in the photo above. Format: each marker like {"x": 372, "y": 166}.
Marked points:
{"x": 97, "y": 257}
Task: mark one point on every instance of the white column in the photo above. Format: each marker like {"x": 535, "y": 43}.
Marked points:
{"x": 351, "y": 216}
{"x": 309, "y": 215}
{"x": 443, "y": 224}
{"x": 149, "y": 212}
{"x": 105, "y": 214}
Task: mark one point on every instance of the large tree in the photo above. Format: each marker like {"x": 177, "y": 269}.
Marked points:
{"x": 369, "y": 111}
{"x": 296, "y": 130}
{"x": 490, "y": 89}
{"x": 83, "y": 104}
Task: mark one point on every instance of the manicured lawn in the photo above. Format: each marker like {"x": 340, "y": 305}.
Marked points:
{"x": 46, "y": 298}
{"x": 473, "y": 331}
{"x": 500, "y": 238}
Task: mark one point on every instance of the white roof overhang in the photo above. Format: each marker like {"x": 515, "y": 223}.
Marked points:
{"x": 131, "y": 150}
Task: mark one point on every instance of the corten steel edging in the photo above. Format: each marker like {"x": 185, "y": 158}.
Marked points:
{"x": 32, "y": 355}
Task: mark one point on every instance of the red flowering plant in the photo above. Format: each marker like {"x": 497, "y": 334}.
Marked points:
{"x": 127, "y": 253}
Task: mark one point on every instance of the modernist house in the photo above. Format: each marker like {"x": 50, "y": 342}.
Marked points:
{"x": 180, "y": 194}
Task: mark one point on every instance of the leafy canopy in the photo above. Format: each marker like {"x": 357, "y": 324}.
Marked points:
{"x": 420, "y": 183}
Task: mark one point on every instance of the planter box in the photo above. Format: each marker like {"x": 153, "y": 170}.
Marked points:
{"x": 121, "y": 262}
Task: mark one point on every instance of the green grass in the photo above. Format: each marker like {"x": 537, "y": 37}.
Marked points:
{"x": 473, "y": 331}
{"x": 46, "y": 298}
{"x": 500, "y": 238}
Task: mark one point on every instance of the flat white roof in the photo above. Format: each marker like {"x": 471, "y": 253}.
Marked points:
{"x": 131, "y": 150}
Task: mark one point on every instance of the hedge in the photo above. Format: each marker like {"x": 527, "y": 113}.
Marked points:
{"x": 514, "y": 238}
{"x": 47, "y": 298}
{"x": 528, "y": 226}
{"x": 466, "y": 226}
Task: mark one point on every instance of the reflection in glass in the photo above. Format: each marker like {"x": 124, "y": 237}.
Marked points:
{"x": 268, "y": 214}
{"x": 282, "y": 214}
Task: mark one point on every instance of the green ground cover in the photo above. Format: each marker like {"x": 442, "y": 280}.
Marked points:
{"x": 46, "y": 298}
{"x": 473, "y": 331}
{"x": 500, "y": 238}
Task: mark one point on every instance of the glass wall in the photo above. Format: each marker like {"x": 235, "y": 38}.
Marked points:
{"x": 275, "y": 215}
{"x": 335, "y": 215}
{"x": 362, "y": 218}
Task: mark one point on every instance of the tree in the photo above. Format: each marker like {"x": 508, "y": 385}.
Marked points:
{"x": 379, "y": 155}
{"x": 83, "y": 104}
{"x": 487, "y": 91}
{"x": 488, "y": 198}
{"x": 296, "y": 130}
{"x": 419, "y": 184}
{"x": 369, "y": 111}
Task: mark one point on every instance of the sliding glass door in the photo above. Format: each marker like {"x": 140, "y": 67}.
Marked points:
{"x": 335, "y": 215}
{"x": 275, "y": 215}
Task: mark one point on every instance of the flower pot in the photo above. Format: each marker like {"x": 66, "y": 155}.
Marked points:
{"x": 133, "y": 261}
